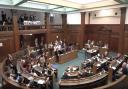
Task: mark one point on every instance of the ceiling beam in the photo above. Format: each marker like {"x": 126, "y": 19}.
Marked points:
{"x": 119, "y": 1}
{"x": 57, "y": 7}
{"x": 21, "y": 2}
{"x": 122, "y": 1}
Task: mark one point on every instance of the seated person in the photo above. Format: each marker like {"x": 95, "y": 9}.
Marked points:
{"x": 125, "y": 68}
{"x": 19, "y": 79}
{"x": 65, "y": 76}
{"x": 9, "y": 61}
{"x": 33, "y": 73}
{"x": 28, "y": 50}
{"x": 49, "y": 71}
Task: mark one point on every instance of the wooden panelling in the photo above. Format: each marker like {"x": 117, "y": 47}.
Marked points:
{"x": 73, "y": 27}
{"x": 126, "y": 38}
{"x": 108, "y": 33}
{"x": 126, "y": 45}
{"x": 73, "y": 34}
{"x": 6, "y": 33}
{"x": 55, "y": 33}
{"x": 37, "y": 31}
{"x": 8, "y": 47}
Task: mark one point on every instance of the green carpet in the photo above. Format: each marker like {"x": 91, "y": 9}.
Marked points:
{"x": 77, "y": 62}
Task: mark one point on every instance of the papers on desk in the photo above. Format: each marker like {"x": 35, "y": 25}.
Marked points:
{"x": 34, "y": 66}
{"x": 83, "y": 49}
{"x": 89, "y": 60}
{"x": 41, "y": 82}
{"x": 107, "y": 58}
{"x": 91, "y": 51}
{"x": 118, "y": 61}
{"x": 98, "y": 55}
{"x": 113, "y": 67}
{"x": 33, "y": 51}
{"x": 74, "y": 68}
{"x": 30, "y": 78}
{"x": 103, "y": 61}
{"x": 98, "y": 65}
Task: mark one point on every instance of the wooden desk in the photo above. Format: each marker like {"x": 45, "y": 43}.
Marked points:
{"x": 121, "y": 83}
{"x": 82, "y": 82}
{"x": 67, "y": 56}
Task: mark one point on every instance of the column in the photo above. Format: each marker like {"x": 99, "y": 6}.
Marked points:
{"x": 16, "y": 35}
{"x": 122, "y": 30}
{"x": 64, "y": 27}
{"x": 81, "y": 34}
{"x": 47, "y": 27}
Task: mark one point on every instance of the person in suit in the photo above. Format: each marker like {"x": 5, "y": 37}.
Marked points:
{"x": 56, "y": 51}
{"x": 3, "y": 16}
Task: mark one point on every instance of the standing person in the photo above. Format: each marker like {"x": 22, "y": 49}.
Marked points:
{"x": 36, "y": 43}
{"x": 21, "y": 20}
{"x": 31, "y": 18}
{"x": 56, "y": 52}
{"x": 25, "y": 17}
{"x": 3, "y": 15}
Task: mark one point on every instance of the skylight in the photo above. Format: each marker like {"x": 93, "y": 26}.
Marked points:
{"x": 65, "y": 9}
{"x": 84, "y": 1}
{"x": 6, "y": 2}
{"x": 37, "y": 5}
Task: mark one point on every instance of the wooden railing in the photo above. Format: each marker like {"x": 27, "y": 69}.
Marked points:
{"x": 56, "y": 26}
{"x": 121, "y": 83}
{"x": 28, "y": 27}
{"x": 31, "y": 27}
{"x": 6, "y": 27}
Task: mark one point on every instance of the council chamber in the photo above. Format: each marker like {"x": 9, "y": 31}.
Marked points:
{"x": 64, "y": 44}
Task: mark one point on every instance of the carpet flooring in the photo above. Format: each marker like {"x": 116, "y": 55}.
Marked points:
{"x": 81, "y": 56}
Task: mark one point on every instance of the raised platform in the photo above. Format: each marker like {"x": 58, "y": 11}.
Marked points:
{"x": 68, "y": 56}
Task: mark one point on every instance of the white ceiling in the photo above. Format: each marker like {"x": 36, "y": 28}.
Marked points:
{"x": 64, "y": 6}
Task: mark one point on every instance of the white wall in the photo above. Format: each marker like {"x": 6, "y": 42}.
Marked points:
{"x": 87, "y": 18}
{"x": 57, "y": 18}
{"x": 105, "y": 17}
{"x": 126, "y": 19}
{"x": 74, "y": 18}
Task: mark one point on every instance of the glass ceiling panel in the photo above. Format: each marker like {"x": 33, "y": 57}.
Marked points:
{"x": 37, "y": 5}
{"x": 16, "y": 1}
{"x": 70, "y": 9}
{"x": 65, "y": 9}
{"x": 60, "y": 9}
{"x": 52, "y": 6}
{"x": 6, "y": 2}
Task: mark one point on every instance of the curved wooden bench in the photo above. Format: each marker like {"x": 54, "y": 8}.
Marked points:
{"x": 9, "y": 83}
{"x": 88, "y": 82}
{"x": 121, "y": 83}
